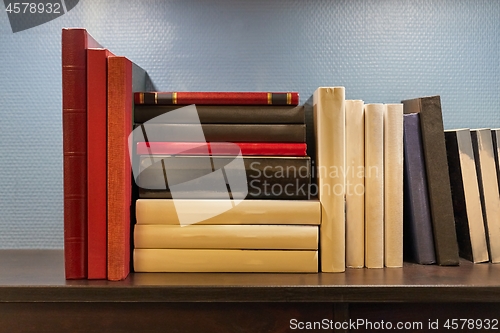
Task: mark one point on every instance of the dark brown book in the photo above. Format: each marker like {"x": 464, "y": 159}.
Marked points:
{"x": 438, "y": 180}
{"x": 223, "y": 132}
{"x": 224, "y": 114}
{"x": 196, "y": 177}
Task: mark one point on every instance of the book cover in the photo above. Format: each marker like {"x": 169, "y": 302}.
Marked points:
{"x": 250, "y": 237}
{"x": 482, "y": 146}
{"x": 438, "y": 180}
{"x": 393, "y": 185}
{"x": 209, "y": 260}
{"x": 467, "y": 208}
{"x": 221, "y": 148}
{"x": 355, "y": 183}
{"x": 418, "y": 235}
{"x": 96, "y": 162}
{"x": 225, "y": 132}
{"x": 374, "y": 185}
{"x": 286, "y": 212}
{"x": 216, "y": 98}
{"x": 119, "y": 175}
{"x": 329, "y": 121}
{"x": 75, "y": 42}
{"x": 190, "y": 177}
{"x": 226, "y": 114}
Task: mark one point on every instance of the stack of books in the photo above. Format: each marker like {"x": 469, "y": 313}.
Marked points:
{"x": 223, "y": 183}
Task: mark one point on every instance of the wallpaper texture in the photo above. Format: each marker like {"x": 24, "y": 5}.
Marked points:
{"x": 381, "y": 51}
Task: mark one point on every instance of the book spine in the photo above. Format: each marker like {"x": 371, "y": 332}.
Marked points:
{"x": 256, "y": 237}
{"x": 221, "y": 148}
{"x": 209, "y": 260}
{"x": 374, "y": 185}
{"x": 225, "y": 114}
{"x": 224, "y": 132}
{"x": 118, "y": 166}
{"x": 488, "y": 188}
{"x": 217, "y": 98}
{"x": 74, "y": 121}
{"x": 270, "y": 178}
{"x": 393, "y": 185}
{"x": 467, "y": 209}
{"x": 329, "y": 120}
{"x": 419, "y": 239}
{"x": 355, "y": 183}
{"x": 438, "y": 180}
{"x": 96, "y": 162}
{"x": 286, "y": 212}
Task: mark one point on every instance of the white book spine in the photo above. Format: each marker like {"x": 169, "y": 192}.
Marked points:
{"x": 393, "y": 185}
{"x": 374, "y": 185}
{"x": 355, "y": 183}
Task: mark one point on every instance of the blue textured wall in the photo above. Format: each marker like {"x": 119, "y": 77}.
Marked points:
{"x": 381, "y": 51}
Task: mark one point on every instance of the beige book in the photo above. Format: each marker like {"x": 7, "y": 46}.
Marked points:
{"x": 488, "y": 188}
{"x": 329, "y": 121}
{"x": 250, "y": 261}
{"x": 355, "y": 183}
{"x": 163, "y": 211}
{"x": 374, "y": 185}
{"x": 393, "y": 185}
{"x": 270, "y": 237}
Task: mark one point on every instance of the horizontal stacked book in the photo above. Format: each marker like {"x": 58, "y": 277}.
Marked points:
{"x": 223, "y": 183}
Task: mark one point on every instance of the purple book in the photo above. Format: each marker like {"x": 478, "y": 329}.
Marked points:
{"x": 418, "y": 235}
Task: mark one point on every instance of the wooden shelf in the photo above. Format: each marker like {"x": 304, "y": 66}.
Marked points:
{"x": 38, "y": 276}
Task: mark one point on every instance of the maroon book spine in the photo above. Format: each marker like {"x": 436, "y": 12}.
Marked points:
{"x": 221, "y": 148}
{"x": 216, "y": 98}
{"x": 74, "y": 121}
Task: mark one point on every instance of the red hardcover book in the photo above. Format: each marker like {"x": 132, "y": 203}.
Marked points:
{"x": 216, "y": 98}
{"x": 118, "y": 166}
{"x": 96, "y": 161}
{"x": 74, "y": 121}
{"x": 221, "y": 148}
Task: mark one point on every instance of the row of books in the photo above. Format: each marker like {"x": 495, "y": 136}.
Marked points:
{"x": 224, "y": 185}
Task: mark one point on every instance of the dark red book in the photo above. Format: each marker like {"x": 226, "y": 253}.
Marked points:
{"x": 96, "y": 161}
{"x": 74, "y": 44}
{"x": 216, "y": 98}
{"x": 221, "y": 148}
{"x": 118, "y": 166}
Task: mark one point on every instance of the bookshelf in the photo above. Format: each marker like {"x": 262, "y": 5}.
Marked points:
{"x": 34, "y": 293}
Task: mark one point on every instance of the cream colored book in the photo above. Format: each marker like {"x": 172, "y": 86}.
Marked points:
{"x": 329, "y": 121}
{"x": 250, "y": 261}
{"x": 267, "y": 237}
{"x": 164, "y": 211}
{"x": 393, "y": 185}
{"x": 488, "y": 188}
{"x": 355, "y": 183}
{"x": 374, "y": 185}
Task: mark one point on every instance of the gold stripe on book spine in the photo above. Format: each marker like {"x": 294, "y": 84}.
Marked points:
{"x": 156, "y": 98}
{"x": 288, "y": 98}
{"x": 174, "y": 98}
{"x": 269, "y": 98}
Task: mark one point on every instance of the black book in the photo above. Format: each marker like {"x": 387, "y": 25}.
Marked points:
{"x": 222, "y": 133}
{"x": 438, "y": 179}
{"x": 418, "y": 236}
{"x": 220, "y": 177}
{"x": 223, "y": 114}
{"x": 465, "y": 194}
